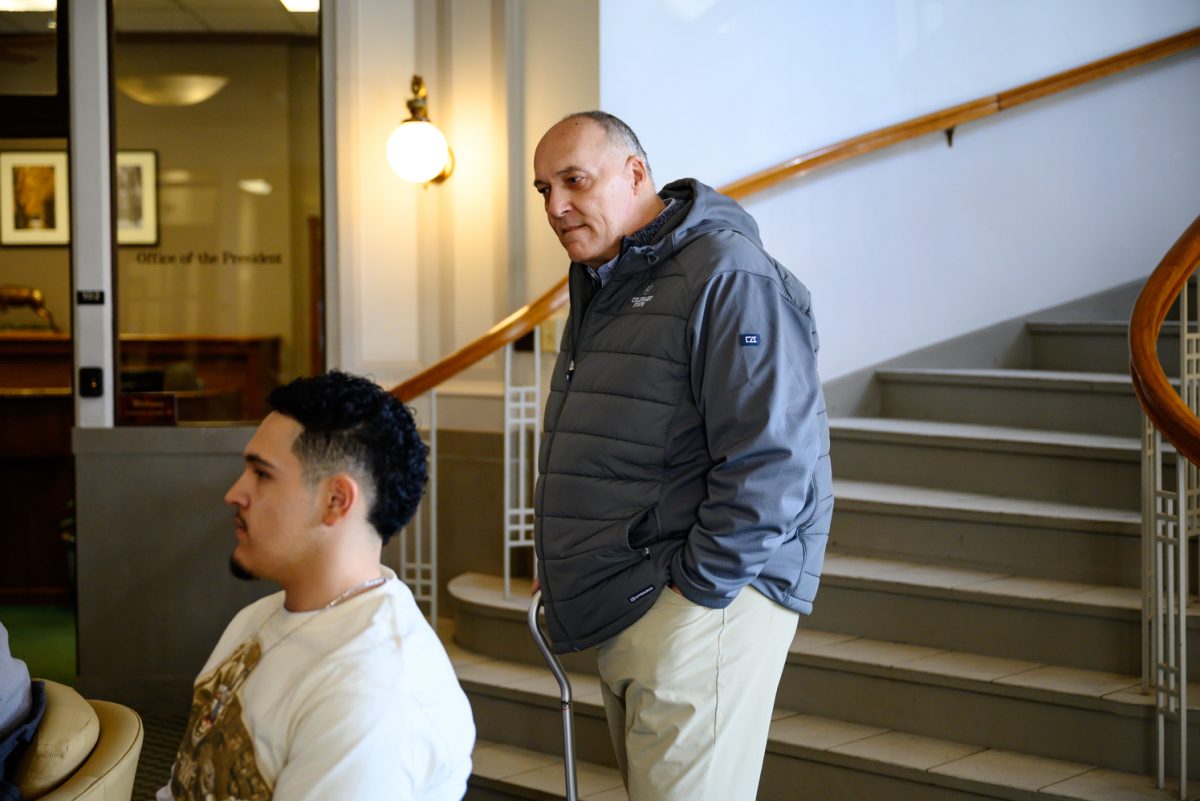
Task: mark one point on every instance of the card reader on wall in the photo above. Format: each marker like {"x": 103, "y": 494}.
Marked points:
{"x": 91, "y": 382}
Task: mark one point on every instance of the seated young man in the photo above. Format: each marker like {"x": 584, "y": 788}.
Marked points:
{"x": 335, "y": 687}
{"x": 22, "y": 704}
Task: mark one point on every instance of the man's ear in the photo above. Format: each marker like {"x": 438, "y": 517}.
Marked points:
{"x": 342, "y": 495}
{"x": 641, "y": 177}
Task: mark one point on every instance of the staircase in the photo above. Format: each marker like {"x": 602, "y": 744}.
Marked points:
{"x": 977, "y": 634}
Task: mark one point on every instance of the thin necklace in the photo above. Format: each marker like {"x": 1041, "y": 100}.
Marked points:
{"x": 369, "y": 584}
{"x": 356, "y": 590}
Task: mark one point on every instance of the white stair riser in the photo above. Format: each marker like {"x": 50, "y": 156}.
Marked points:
{"x": 1052, "y": 409}
{"x": 509, "y": 640}
{"x": 1096, "y": 352}
{"x": 1065, "y": 554}
{"x": 1107, "y": 482}
{"x": 538, "y": 727}
{"x": 829, "y": 777}
{"x": 955, "y": 623}
{"x": 1039, "y": 728}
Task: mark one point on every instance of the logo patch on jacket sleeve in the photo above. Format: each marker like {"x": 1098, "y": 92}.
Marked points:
{"x": 641, "y": 594}
{"x": 749, "y": 340}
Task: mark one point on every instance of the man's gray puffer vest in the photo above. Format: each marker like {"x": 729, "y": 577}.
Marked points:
{"x": 685, "y": 433}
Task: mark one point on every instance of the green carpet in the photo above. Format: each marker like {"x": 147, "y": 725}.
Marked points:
{"x": 44, "y": 638}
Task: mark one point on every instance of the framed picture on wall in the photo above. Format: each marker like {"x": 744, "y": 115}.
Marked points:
{"x": 137, "y": 197}
{"x": 33, "y": 198}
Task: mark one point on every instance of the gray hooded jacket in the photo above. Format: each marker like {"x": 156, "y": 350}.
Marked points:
{"x": 685, "y": 433}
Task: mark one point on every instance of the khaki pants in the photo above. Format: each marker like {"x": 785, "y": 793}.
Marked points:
{"x": 689, "y": 692}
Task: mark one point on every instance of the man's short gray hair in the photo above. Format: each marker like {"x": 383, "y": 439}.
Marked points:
{"x": 619, "y": 133}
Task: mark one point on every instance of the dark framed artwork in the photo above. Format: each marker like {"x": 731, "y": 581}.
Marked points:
{"x": 136, "y": 182}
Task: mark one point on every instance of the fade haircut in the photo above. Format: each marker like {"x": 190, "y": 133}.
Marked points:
{"x": 352, "y": 425}
{"x": 619, "y": 134}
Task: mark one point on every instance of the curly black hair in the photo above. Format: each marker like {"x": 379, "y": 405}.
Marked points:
{"x": 353, "y": 425}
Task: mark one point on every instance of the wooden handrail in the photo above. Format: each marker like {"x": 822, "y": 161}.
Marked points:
{"x": 510, "y": 329}
{"x": 529, "y": 317}
{"x": 957, "y": 115}
{"x": 1159, "y": 400}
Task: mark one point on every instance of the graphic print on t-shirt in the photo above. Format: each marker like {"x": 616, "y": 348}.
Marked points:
{"x": 216, "y": 758}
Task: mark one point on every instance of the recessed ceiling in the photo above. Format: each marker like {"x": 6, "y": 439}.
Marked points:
{"x": 184, "y": 16}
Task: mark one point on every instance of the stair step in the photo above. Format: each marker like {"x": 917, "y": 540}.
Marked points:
{"x": 1036, "y": 706}
{"x": 1070, "y": 467}
{"x": 1100, "y": 403}
{"x": 1101, "y": 347}
{"x": 1072, "y": 624}
{"x": 1039, "y": 539}
{"x": 1094, "y": 627}
{"x": 1046, "y": 710}
{"x": 828, "y": 758}
{"x": 509, "y": 771}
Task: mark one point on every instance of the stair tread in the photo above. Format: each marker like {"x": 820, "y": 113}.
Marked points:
{"x": 1063, "y": 685}
{"x": 1016, "y": 378}
{"x": 854, "y": 494}
{"x": 989, "y": 437}
{"x": 894, "y": 575}
{"x": 1092, "y": 326}
{"x": 1083, "y": 326}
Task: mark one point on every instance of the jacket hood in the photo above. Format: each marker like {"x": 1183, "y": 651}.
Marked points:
{"x": 704, "y": 210}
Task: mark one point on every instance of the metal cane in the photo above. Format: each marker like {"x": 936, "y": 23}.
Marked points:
{"x": 564, "y": 689}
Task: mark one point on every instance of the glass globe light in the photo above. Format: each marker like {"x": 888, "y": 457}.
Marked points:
{"x": 417, "y": 151}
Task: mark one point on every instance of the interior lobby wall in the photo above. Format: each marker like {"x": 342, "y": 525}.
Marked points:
{"x": 425, "y": 270}
{"x": 1050, "y": 201}
{"x": 378, "y": 316}
{"x": 561, "y": 75}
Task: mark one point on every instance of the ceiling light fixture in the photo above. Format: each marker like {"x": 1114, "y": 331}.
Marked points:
{"x": 171, "y": 90}
{"x": 255, "y": 186}
{"x": 28, "y": 5}
{"x": 301, "y": 6}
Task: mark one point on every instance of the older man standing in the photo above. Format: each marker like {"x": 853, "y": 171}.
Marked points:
{"x": 685, "y": 447}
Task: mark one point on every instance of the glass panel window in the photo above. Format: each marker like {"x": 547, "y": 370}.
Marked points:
{"x": 36, "y": 406}
{"x": 28, "y": 47}
{"x": 219, "y": 278}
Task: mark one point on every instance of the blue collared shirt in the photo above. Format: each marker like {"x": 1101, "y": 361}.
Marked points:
{"x": 644, "y": 236}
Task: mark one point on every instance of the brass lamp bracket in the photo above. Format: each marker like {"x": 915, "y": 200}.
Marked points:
{"x": 417, "y": 105}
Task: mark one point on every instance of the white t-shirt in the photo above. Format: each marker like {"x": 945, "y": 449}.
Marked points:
{"x": 358, "y": 701}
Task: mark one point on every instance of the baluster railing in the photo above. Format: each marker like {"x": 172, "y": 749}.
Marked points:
{"x": 1170, "y": 507}
{"x": 419, "y": 539}
{"x": 522, "y": 440}
{"x": 1168, "y": 526}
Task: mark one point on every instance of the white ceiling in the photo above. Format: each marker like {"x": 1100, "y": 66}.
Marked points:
{"x": 184, "y": 16}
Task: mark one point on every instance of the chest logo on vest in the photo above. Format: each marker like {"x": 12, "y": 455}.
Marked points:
{"x": 749, "y": 340}
{"x": 644, "y": 297}
{"x": 641, "y": 594}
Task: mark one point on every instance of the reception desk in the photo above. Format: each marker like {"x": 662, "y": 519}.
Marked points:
{"x": 214, "y": 377}
{"x": 197, "y": 378}
{"x": 37, "y": 483}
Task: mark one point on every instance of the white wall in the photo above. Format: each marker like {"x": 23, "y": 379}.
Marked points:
{"x": 423, "y": 271}
{"x": 1055, "y": 200}
{"x": 377, "y": 314}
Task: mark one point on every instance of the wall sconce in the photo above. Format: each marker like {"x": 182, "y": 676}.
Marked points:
{"x": 417, "y": 150}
